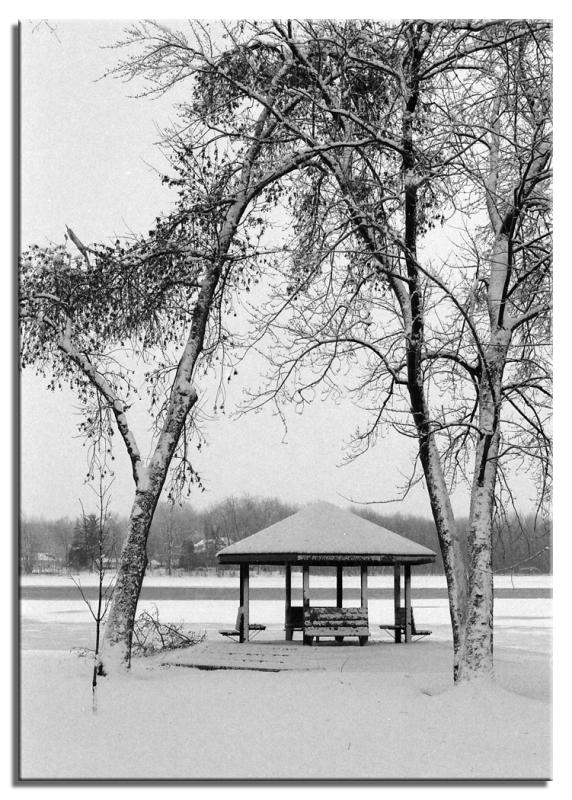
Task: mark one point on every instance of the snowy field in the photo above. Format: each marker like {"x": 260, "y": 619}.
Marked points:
{"x": 332, "y": 711}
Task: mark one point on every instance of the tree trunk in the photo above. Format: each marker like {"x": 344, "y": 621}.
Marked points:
{"x": 119, "y": 628}
{"x": 419, "y": 37}
{"x": 447, "y": 533}
{"x": 449, "y": 542}
{"x": 476, "y": 656}
{"x": 116, "y": 651}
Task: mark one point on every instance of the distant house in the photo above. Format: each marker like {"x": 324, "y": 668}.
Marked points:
{"x": 45, "y": 563}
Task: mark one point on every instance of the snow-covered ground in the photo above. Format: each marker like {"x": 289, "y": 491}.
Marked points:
{"x": 333, "y": 711}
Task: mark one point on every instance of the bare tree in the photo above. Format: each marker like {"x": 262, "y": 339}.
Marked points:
{"x": 98, "y": 557}
{"x": 170, "y": 534}
{"x": 434, "y": 124}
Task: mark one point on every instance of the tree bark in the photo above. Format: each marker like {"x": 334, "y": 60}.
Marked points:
{"x": 119, "y": 628}
{"x": 441, "y": 508}
{"x": 448, "y": 536}
{"x": 476, "y": 654}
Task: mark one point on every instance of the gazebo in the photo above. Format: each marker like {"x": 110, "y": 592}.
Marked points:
{"x": 325, "y": 535}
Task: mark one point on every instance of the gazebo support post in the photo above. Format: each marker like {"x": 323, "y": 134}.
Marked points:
{"x": 363, "y": 576}
{"x": 407, "y": 599}
{"x": 339, "y": 586}
{"x": 339, "y": 592}
{"x": 397, "y": 600}
{"x": 244, "y": 627}
{"x": 305, "y": 595}
{"x": 306, "y": 586}
{"x": 288, "y": 622}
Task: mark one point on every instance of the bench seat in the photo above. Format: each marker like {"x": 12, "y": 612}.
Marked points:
{"x": 337, "y": 622}
{"x": 400, "y": 626}
{"x": 235, "y": 632}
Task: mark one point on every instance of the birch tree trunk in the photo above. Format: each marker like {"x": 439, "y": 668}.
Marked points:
{"x": 476, "y": 656}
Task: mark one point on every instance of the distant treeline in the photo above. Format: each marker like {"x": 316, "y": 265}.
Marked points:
{"x": 522, "y": 544}
{"x": 183, "y": 538}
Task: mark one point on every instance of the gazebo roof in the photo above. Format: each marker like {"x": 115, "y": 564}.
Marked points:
{"x": 322, "y": 533}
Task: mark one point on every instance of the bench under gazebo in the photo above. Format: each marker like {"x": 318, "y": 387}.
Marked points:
{"x": 323, "y": 535}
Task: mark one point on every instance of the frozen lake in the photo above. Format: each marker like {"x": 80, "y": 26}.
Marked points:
{"x": 273, "y": 579}
{"x": 523, "y": 606}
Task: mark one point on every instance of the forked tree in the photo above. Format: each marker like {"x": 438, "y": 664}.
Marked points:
{"x": 468, "y": 347}
{"x": 445, "y": 124}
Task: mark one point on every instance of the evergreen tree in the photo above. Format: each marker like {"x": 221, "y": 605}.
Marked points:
{"x": 83, "y": 549}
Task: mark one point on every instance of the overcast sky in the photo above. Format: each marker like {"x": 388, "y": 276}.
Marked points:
{"x": 87, "y": 157}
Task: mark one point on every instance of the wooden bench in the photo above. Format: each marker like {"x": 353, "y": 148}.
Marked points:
{"x": 240, "y": 624}
{"x": 337, "y": 622}
{"x": 399, "y": 627}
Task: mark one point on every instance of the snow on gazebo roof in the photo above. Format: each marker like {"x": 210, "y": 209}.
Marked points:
{"x": 322, "y": 533}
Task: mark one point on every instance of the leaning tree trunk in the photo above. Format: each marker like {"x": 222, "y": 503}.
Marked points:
{"x": 119, "y": 627}
{"x": 118, "y": 636}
